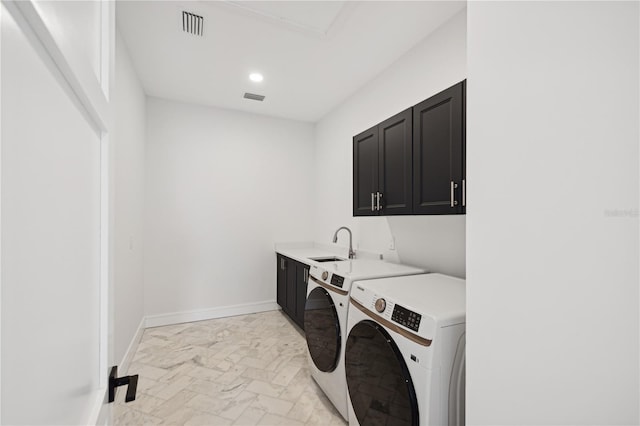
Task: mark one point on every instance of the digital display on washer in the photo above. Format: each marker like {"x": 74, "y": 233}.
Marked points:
{"x": 405, "y": 317}
{"x": 337, "y": 280}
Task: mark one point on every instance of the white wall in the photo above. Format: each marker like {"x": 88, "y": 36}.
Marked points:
{"x": 552, "y": 233}
{"x": 221, "y": 187}
{"x": 76, "y": 26}
{"x": 128, "y": 156}
{"x": 433, "y": 242}
{"x": 50, "y": 258}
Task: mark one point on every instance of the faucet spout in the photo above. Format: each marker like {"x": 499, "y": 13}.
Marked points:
{"x": 352, "y": 254}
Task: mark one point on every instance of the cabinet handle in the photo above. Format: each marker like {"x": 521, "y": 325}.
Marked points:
{"x": 453, "y": 199}
{"x": 451, "y": 196}
{"x": 372, "y": 207}
{"x": 282, "y": 264}
{"x": 378, "y": 196}
{"x": 305, "y": 276}
{"x": 464, "y": 193}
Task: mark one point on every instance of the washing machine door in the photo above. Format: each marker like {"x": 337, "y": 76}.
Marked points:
{"x": 380, "y": 386}
{"x": 322, "y": 329}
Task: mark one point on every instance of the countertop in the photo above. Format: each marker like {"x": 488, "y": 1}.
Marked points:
{"x": 303, "y": 251}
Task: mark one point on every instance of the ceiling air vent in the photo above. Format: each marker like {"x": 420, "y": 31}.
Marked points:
{"x": 254, "y": 97}
{"x": 192, "y": 23}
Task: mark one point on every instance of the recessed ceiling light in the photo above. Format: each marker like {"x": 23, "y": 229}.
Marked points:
{"x": 256, "y": 76}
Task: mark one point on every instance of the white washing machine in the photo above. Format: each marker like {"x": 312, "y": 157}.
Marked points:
{"x": 404, "y": 356}
{"x": 325, "y": 318}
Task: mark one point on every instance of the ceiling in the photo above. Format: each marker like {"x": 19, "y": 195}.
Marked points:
{"x": 313, "y": 54}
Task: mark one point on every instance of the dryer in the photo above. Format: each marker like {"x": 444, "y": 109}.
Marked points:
{"x": 325, "y": 318}
{"x": 404, "y": 356}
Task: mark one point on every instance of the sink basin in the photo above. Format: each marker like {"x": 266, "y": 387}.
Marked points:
{"x": 327, "y": 259}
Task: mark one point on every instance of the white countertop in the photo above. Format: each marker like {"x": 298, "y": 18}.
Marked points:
{"x": 303, "y": 251}
{"x": 363, "y": 269}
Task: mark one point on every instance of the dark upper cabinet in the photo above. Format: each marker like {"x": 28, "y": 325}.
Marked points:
{"x": 292, "y": 278}
{"x": 382, "y": 168}
{"x": 394, "y": 179}
{"x": 365, "y": 172}
{"x": 413, "y": 162}
{"x": 439, "y": 181}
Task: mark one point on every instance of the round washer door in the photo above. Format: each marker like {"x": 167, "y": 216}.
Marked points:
{"x": 380, "y": 386}
{"x": 322, "y": 329}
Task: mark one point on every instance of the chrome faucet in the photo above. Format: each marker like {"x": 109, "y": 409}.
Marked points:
{"x": 352, "y": 254}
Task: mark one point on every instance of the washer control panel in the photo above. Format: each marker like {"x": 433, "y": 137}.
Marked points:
{"x": 405, "y": 317}
{"x": 337, "y": 280}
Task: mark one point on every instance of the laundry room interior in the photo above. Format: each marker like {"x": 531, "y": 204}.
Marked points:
{"x": 319, "y": 212}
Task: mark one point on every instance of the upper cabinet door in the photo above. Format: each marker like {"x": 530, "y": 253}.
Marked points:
{"x": 438, "y": 153}
{"x": 365, "y": 172}
{"x": 394, "y": 180}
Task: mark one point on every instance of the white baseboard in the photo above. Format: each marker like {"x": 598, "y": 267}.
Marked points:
{"x": 123, "y": 367}
{"x": 211, "y": 313}
{"x": 99, "y": 410}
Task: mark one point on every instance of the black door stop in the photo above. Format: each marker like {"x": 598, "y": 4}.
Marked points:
{"x": 114, "y": 382}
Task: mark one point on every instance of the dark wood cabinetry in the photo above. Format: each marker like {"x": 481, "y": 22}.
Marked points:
{"x": 413, "y": 162}
{"x": 382, "y": 168}
{"x": 365, "y": 172}
{"x": 281, "y": 279}
{"x": 292, "y": 280}
{"x": 439, "y": 181}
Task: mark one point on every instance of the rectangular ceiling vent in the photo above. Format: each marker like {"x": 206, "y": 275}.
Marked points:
{"x": 254, "y": 97}
{"x": 192, "y": 23}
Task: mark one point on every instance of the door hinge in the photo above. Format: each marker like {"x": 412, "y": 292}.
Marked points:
{"x": 114, "y": 382}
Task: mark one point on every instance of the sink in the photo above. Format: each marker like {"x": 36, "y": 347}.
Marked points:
{"x": 327, "y": 259}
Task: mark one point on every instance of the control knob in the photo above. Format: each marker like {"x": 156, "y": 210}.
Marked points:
{"x": 381, "y": 304}
{"x": 325, "y": 275}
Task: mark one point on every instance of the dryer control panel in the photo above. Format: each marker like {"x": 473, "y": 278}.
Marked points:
{"x": 398, "y": 315}
{"x": 405, "y": 317}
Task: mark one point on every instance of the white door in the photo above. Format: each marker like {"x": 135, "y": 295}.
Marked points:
{"x": 54, "y": 70}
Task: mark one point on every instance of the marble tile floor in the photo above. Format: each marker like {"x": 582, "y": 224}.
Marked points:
{"x": 243, "y": 370}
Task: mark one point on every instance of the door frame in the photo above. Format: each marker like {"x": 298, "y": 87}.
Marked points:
{"x": 90, "y": 94}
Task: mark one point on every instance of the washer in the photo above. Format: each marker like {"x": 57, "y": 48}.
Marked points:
{"x": 325, "y": 318}
{"x": 404, "y": 357}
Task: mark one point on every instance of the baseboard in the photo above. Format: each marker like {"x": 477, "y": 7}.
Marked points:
{"x": 100, "y": 410}
{"x": 211, "y": 313}
{"x": 123, "y": 367}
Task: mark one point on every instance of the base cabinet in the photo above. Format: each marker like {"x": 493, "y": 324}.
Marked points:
{"x": 292, "y": 278}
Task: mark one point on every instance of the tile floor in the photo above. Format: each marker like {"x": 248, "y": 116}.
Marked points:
{"x": 243, "y": 370}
